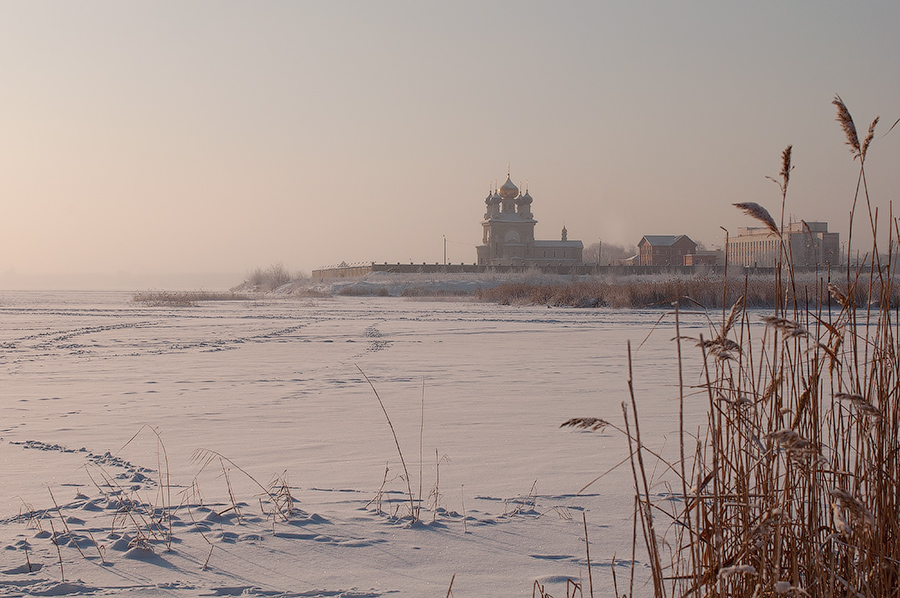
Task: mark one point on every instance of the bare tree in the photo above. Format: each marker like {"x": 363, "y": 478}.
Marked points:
{"x": 271, "y": 278}
{"x": 607, "y": 253}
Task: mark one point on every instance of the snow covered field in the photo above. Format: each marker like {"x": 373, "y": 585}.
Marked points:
{"x": 274, "y": 388}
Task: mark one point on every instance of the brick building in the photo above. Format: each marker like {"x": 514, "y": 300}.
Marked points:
{"x": 665, "y": 250}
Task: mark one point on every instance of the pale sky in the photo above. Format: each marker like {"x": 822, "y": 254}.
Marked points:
{"x": 192, "y": 139}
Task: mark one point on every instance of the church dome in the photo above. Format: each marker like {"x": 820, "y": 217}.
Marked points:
{"x": 508, "y": 190}
{"x": 525, "y": 199}
{"x": 495, "y": 198}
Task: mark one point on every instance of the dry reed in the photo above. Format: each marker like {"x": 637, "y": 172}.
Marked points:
{"x": 185, "y": 298}
{"x": 274, "y": 494}
{"x": 793, "y": 486}
{"x": 642, "y": 292}
{"x": 413, "y": 509}
{"x": 796, "y": 489}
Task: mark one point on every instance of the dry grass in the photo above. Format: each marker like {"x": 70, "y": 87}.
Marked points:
{"x": 186, "y": 298}
{"x": 276, "y": 496}
{"x": 690, "y": 291}
{"x": 413, "y": 503}
{"x": 364, "y": 291}
{"x": 639, "y": 292}
{"x": 427, "y": 293}
{"x": 792, "y": 488}
{"x": 138, "y": 523}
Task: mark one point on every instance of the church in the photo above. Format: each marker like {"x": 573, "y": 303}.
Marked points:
{"x": 509, "y": 234}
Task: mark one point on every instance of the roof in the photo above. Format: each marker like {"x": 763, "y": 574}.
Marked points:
{"x": 663, "y": 240}
{"x": 558, "y": 244}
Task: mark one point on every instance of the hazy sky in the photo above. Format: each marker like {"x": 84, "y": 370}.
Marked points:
{"x": 176, "y": 138}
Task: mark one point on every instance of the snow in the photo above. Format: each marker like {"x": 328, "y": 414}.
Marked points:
{"x": 397, "y": 284}
{"x": 105, "y": 400}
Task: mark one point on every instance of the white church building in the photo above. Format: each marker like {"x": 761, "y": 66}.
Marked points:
{"x": 509, "y": 234}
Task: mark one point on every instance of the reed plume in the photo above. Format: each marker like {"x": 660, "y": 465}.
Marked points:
{"x": 788, "y": 328}
{"x": 754, "y": 210}
{"x": 868, "y": 139}
{"x": 846, "y": 121}
{"x": 786, "y": 167}
{"x": 585, "y": 423}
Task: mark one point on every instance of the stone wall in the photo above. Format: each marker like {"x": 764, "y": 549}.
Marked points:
{"x": 357, "y": 270}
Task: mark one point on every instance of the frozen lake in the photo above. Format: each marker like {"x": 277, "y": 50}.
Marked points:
{"x": 275, "y": 386}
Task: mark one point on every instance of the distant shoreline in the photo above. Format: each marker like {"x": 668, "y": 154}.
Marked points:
{"x": 704, "y": 288}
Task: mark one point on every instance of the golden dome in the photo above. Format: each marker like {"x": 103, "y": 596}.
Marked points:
{"x": 508, "y": 190}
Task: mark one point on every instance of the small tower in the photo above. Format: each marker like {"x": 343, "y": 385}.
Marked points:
{"x": 523, "y": 205}
{"x": 492, "y": 203}
{"x": 565, "y": 233}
